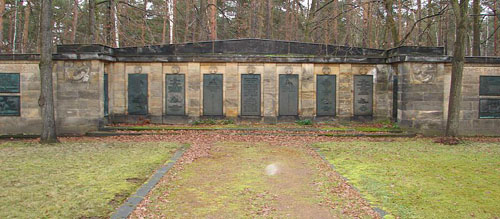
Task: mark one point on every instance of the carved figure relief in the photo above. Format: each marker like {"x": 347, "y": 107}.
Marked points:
{"x": 176, "y": 69}
{"x": 251, "y": 69}
{"x": 81, "y": 75}
{"x": 212, "y": 69}
{"x": 424, "y": 74}
{"x": 326, "y": 70}
{"x": 288, "y": 70}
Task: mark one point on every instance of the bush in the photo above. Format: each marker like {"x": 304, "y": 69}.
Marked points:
{"x": 304, "y": 122}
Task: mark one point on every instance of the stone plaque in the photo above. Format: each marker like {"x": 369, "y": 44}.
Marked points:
{"x": 325, "y": 95}
{"x": 363, "y": 95}
{"x": 250, "y": 95}
{"x": 9, "y": 83}
{"x": 10, "y": 106}
{"x": 106, "y": 97}
{"x": 489, "y": 108}
{"x": 489, "y": 85}
{"x": 212, "y": 95}
{"x": 288, "y": 95}
{"x": 138, "y": 94}
{"x": 174, "y": 94}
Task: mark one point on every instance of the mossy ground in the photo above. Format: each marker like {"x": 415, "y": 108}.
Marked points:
{"x": 422, "y": 179}
{"x": 74, "y": 180}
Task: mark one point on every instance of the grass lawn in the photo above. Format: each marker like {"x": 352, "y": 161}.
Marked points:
{"x": 74, "y": 180}
{"x": 422, "y": 179}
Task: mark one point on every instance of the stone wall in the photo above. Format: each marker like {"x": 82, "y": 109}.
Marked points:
{"x": 186, "y": 82}
{"x": 232, "y": 85}
{"x": 78, "y": 92}
{"x": 29, "y": 119}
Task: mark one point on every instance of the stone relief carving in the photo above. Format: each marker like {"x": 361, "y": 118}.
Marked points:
{"x": 363, "y": 71}
{"x": 138, "y": 69}
{"x": 176, "y": 69}
{"x": 326, "y": 70}
{"x": 212, "y": 69}
{"x": 288, "y": 70}
{"x": 81, "y": 75}
{"x": 424, "y": 74}
{"x": 251, "y": 69}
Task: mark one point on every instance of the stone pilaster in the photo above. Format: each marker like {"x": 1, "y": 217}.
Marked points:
{"x": 307, "y": 93}
{"x": 345, "y": 92}
{"x": 231, "y": 81}
{"x": 156, "y": 92}
{"x": 270, "y": 93}
{"x": 193, "y": 91}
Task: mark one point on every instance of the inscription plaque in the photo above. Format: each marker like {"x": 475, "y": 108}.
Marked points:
{"x": 174, "y": 92}
{"x": 489, "y": 85}
{"x": 138, "y": 94}
{"x": 489, "y": 108}
{"x": 325, "y": 95}
{"x": 106, "y": 97}
{"x": 10, "y": 106}
{"x": 9, "y": 83}
{"x": 212, "y": 95}
{"x": 250, "y": 95}
{"x": 288, "y": 95}
{"x": 363, "y": 95}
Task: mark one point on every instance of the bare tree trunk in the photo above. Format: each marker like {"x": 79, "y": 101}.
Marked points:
{"x": 495, "y": 26}
{"x": 335, "y": 23}
{"x": 213, "y": 19}
{"x": 476, "y": 44}
{"x": 74, "y": 23}
{"x": 46, "y": 100}
{"x": 390, "y": 22}
{"x": 269, "y": 22}
{"x": 165, "y": 21}
{"x": 26, "y": 27}
{"x": 457, "y": 66}
{"x": 116, "y": 23}
{"x": 2, "y": 10}
{"x": 187, "y": 19}
{"x": 144, "y": 23}
{"x": 92, "y": 33}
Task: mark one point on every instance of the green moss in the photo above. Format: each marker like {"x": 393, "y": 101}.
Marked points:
{"x": 73, "y": 180}
{"x": 421, "y": 179}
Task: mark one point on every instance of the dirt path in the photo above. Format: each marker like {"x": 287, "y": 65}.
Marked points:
{"x": 245, "y": 176}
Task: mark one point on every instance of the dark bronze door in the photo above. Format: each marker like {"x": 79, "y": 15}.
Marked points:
{"x": 288, "y": 95}
{"x": 138, "y": 94}
{"x": 212, "y": 95}
{"x": 325, "y": 95}
{"x": 250, "y": 95}
{"x": 175, "y": 94}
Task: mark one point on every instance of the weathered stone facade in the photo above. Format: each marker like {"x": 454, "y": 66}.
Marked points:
{"x": 419, "y": 101}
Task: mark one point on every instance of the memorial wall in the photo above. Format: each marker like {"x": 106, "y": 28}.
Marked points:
{"x": 257, "y": 80}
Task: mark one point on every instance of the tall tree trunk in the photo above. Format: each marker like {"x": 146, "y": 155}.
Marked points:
{"x": 92, "y": 33}
{"x": 213, "y": 19}
{"x": 269, "y": 22}
{"x": 46, "y": 100}
{"x": 144, "y": 23}
{"x": 165, "y": 21}
{"x": 390, "y": 22}
{"x": 495, "y": 28}
{"x": 460, "y": 10}
{"x": 2, "y": 10}
{"x": 187, "y": 19}
{"x": 476, "y": 44}
{"x": 115, "y": 24}
{"x": 172, "y": 18}
{"x": 26, "y": 27}
{"x": 74, "y": 23}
